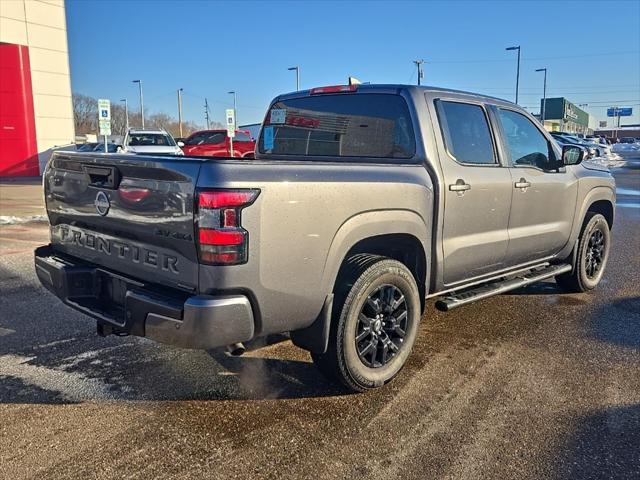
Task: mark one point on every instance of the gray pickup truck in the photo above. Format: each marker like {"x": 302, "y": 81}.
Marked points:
{"x": 362, "y": 203}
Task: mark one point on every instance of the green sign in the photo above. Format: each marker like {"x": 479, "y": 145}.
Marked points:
{"x": 562, "y": 109}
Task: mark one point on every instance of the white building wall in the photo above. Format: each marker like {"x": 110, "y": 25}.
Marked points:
{"x": 41, "y": 25}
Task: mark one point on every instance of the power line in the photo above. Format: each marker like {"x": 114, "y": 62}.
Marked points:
{"x": 535, "y": 59}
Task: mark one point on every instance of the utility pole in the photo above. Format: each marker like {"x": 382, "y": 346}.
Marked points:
{"x": 418, "y": 64}
{"x": 206, "y": 112}
{"x": 139, "y": 82}
{"x": 126, "y": 114}
{"x": 297, "y": 69}
{"x": 180, "y": 111}
{"x": 544, "y": 94}
{"x": 518, "y": 69}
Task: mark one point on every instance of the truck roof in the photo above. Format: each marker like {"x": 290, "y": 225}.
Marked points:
{"x": 393, "y": 87}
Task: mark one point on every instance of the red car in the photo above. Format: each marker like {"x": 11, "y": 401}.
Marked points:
{"x": 215, "y": 143}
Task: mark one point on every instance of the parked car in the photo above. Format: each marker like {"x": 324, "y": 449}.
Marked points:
{"x": 150, "y": 142}
{"x": 626, "y": 147}
{"x": 216, "y": 143}
{"x": 628, "y": 140}
{"x": 363, "y": 201}
{"x": 596, "y": 149}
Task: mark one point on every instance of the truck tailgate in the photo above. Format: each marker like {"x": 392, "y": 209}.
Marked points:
{"x": 132, "y": 214}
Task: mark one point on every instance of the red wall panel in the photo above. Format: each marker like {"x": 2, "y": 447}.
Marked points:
{"x": 18, "y": 150}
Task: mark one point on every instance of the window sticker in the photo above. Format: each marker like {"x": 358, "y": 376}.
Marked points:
{"x": 278, "y": 115}
{"x": 268, "y": 138}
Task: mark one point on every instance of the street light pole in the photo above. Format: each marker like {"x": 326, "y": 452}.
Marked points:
{"x": 206, "y": 112}
{"x": 544, "y": 95}
{"x": 235, "y": 112}
{"x": 518, "y": 69}
{"x": 180, "y": 111}
{"x": 297, "y": 69}
{"x": 126, "y": 114}
{"x": 139, "y": 82}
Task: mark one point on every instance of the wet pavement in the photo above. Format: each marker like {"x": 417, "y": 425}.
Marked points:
{"x": 533, "y": 384}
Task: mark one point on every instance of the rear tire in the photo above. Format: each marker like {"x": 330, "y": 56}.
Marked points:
{"x": 591, "y": 259}
{"x": 376, "y": 314}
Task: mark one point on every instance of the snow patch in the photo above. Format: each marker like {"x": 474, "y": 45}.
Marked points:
{"x": 73, "y": 387}
{"x": 13, "y": 220}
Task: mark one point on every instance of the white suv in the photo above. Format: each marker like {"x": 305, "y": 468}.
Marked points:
{"x": 150, "y": 142}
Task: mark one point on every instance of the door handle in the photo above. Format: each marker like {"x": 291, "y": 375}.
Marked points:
{"x": 459, "y": 186}
{"x": 522, "y": 183}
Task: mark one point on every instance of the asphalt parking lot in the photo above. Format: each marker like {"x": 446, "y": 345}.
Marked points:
{"x": 529, "y": 385}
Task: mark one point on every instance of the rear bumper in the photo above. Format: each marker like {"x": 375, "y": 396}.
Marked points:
{"x": 138, "y": 308}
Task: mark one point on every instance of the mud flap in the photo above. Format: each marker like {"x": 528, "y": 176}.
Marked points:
{"x": 315, "y": 337}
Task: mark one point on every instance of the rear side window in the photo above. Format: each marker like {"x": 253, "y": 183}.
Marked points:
{"x": 346, "y": 125}
{"x": 466, "y": 132}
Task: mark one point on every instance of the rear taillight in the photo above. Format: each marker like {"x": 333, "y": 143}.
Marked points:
{"x": 221, "y": 238}
{"x": 132, "y": 194}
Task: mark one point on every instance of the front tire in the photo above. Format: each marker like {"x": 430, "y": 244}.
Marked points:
{"x": 375, "y": 322}
{"x": 593, "y": 252}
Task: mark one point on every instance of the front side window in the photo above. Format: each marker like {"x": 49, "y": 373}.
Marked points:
{"x": 466, "y": 132}
{"x": 525, "y": 143}
{"x": 343, "y": 125}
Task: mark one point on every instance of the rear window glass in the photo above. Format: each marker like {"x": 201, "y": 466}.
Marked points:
{"x": 206, "y": 138}
{"x": 346, "y": 125}
{"x": 150, "y": 139}
{"x": 242, "y": 137}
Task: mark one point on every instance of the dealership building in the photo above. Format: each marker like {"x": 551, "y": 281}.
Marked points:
{"x": 560, "y": 115}
{"x": 36, "y": 111}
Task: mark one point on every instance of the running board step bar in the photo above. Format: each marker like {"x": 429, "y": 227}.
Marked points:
{"x": 454, "y": 300}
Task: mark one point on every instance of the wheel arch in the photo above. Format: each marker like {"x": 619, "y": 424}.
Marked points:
{"x": 600, "y": 199}
{"x": 605, "y": 208}
{"x": 399, "y": 234}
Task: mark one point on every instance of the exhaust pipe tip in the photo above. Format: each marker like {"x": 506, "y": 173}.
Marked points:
{"x": 236, "y": 349}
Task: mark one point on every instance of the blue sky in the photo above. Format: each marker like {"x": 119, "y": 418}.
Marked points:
{"x": 591, "y": 50}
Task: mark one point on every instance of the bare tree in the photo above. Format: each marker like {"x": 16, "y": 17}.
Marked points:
{"x": 85, "y": 112}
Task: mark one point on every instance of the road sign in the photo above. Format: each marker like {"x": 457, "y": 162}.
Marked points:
{"x": 231, "y": 123}
{"x": 619, "y": 111}
{"x": 104, "y": 116}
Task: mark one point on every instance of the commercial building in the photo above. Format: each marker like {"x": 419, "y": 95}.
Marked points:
{"x": 36, "y": 111}
{"x": 562, "y": 115}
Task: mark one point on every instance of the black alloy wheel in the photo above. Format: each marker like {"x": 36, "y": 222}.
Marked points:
{"x": 382, "y": 326}
{"x": 594, "y": 257}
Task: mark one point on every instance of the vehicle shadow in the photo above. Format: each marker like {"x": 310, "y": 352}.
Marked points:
{"x": 604, "y": 445}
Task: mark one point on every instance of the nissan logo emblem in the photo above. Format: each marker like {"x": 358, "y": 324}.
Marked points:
{"x": 102, "y": 203}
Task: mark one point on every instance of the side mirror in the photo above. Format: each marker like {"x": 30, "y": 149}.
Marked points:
{"x": 572, "y": 154}
{"x": 181, "y": 144}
